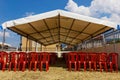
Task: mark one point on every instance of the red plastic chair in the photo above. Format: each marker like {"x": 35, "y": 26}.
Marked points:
{"x": 72, "y": 59}
{"x": 82, "y": 59}
{"x": 33, "y": 58}
{"x": 103, "y": 61}
{"x": 13, "y": 60}
{"x": 22, "y": 60}
{"x": 113, "y": 61}
{"x": 45, "y": 57}
{"x": 3, "y": 59}
{"x": 92, "y": 61}
{"x": 39, "y": 58}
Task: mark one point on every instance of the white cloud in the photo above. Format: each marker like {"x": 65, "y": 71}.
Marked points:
{"x": 113, "y": 18}
{"x": 29, "y": 13}
{"x": 104, "y": 9}
{"x": 73, "y": 7}
{"x": 106, "y": 6}
{"x": 7, "y": 34}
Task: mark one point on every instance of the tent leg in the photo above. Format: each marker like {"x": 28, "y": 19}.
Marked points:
{"x": 41, "y": 47}
{"x": 20, "y": 43}
{"x": 26, "y": 43}
{"x": 36, "y": 47}
{"x": 92, "y": 42}
{"x": 114, "y": 45}
{"x": 104, "y": 43}
{"x": 4, "y": 30}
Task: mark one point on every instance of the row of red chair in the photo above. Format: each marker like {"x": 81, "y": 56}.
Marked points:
{"x": 93, "y": 60}
{"x": 21, "y": 60}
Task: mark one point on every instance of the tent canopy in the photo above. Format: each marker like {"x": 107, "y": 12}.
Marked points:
{"x": 58, "y": 26}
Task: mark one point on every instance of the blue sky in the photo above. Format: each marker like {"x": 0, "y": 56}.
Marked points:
{"x": 14, "y": 9}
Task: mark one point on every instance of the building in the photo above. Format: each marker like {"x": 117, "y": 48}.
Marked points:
{"x": 29, "y": 45}
{"x": 6, "y": 47}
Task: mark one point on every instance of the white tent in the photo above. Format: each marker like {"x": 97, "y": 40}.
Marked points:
{"x": 59, "y": 26}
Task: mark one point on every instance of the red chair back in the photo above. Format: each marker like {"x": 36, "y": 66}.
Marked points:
{"x": 3, "y": 56}
{"x": 82, "y": 56}
{"x": 92, "y": 57}
{"x": 44, "y": 56}
{"x": 22, "y": 56}
{"x": 113, "y": 57}
{"x": 103, "y": 57}
{"x": 13, "y": 56}
{"x": 72, "y": 56}
{"x": 33, "y": 56}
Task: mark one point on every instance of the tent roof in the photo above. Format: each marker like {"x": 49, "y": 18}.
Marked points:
{"x": 58, "y": 26}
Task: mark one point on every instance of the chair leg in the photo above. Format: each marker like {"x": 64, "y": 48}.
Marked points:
{"x": 100, "y": 64}
{"x": 84, "y": 66}
{"x": 69, "y": 66}
{"x": 30, "y": 66}
{"x": 95, "y": 66}
{"x": 15, "y": 66}
{"x": 111, "y": 66}
{"x": 19, "y": 66}
{"x": 24, "y": 65}
{"x": 3, "y": 67}
{"x": 35, "y": 65}
{"x": 41, "y": 66}
{"x": 106, "y": 67}
{"x": 75, "y": 66}
{"x": 90, "y": 65}
{"x": 79, "y": 66}
{"x": 10, "y": 66}
{"x": 46, "y": 66}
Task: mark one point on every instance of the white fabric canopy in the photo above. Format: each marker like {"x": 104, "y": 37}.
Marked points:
{"x": 58, "y": 26}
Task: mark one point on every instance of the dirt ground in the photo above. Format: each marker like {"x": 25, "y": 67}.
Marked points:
{"x": 58, "y": 73}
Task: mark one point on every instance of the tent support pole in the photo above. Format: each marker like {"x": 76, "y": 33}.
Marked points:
{"x": 114, "y": 45}
{"x": 85, "y": 45}
{"x": 104, "y": 43}
{"x": 82, "y": 46}
{"x": 30, "y": 46}
{"x": 35, "y": 46}
{"x": 4, "y": 30}
{"x": 40, "y": 47}
{"x": 26, "y": 43}
{"x": 92, "y": 41}
{"x": 20, "y": 43}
